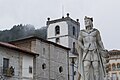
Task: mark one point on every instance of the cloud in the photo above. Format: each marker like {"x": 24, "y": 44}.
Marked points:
{"x": 105, "y": 13}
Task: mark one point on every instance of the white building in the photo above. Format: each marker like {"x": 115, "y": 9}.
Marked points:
{"x": 15, "y": 63}
{"x": 114, "y": 65}
{"x": 65, "y": 31}
{"x": 52, "y": 62}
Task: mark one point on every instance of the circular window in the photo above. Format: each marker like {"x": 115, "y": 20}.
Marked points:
{"x": 43, "y": 66}
{"x": 60, "y": 69}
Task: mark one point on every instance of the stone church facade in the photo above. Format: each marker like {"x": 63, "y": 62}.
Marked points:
{"x": 52, "y": 62}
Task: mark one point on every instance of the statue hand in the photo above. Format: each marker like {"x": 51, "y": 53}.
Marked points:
{"x": 104, "y": 53}
{"x": 85, "y": 50}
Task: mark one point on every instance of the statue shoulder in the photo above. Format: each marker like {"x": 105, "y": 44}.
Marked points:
{"x": 83, "y": 30}
{"x": 96, "y": 30}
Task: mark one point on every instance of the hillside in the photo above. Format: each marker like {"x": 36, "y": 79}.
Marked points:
{"x": 21, "y": 31}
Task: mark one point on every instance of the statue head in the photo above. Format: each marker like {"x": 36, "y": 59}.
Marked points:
{"x": 88, "y": 22}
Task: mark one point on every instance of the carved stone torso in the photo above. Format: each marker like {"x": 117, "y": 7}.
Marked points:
{"x": 89, "y": 38}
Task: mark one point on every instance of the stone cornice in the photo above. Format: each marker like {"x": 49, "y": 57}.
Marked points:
{"x": 62, "y": 19}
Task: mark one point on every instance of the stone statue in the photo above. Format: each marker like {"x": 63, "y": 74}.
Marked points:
{"x": 91, "y": 53}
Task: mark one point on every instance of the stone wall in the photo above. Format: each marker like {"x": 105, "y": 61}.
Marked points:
{"x": 52, "y": 62}
{"x": 53, "y": 58}
{"x": 16, "y": 61}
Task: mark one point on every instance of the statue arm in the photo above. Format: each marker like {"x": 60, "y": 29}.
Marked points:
{"x": 80, "y": 40}
{"x": 100, "y": 43}
{"x": 104, "y": 52}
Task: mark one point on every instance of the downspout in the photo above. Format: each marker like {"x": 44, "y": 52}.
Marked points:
{"x": 35, "y": 67}
{"x": 49, "y": 60}
{"x": 68, "y": 63}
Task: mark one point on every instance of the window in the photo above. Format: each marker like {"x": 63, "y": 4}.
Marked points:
{"x": 60, "y": 69}
{"x": 114, "y": 76}
{"x": 43, "y": 51}
{"x": 30, "y": 69}
{"x": 113, "y": 67}
{"x": 118, "y": 66}
{"x": 73, "y": 30}
{"x": 74, "y": 50}
{"x": 43, "y": 66}
{"x": 73, "y": 47}
{"x": 5, "y": 64}
{"x": 75, "y": 73}
{"x": 57, "y": 30}
{"x": 57, "y": 40}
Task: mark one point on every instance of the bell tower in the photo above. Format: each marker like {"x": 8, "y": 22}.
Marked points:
{"x": 65, "y": 31}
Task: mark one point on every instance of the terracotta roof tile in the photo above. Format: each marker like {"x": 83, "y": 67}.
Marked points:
{"x": 114, "y": 52}
{"x": 35, "y": 37}
{"x": 8, "y": 45}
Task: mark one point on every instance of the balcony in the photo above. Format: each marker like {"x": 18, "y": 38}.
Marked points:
{"x": 9, "y": 72}
{"x": 115, "y": 69}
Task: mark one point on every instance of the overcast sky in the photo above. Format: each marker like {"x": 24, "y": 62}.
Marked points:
{"x": 106, "y": 14}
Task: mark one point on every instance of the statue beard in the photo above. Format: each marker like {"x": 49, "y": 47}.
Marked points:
{"x": 88, "y": 27}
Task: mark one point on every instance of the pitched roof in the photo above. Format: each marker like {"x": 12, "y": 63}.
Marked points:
{"x": 8, "y": 45}
{"x": 46, "y": 41}
{"x": 114, "y": 52}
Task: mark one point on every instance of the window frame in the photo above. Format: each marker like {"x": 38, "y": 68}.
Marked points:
{"x": 57, "y": 29}
{"x": 57, "y": 40}
{"x": 73, "y": 30}
{"x": 30, "y": 69}
{"x": 5, "y": 67}
{"x": 113, "y": 67}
